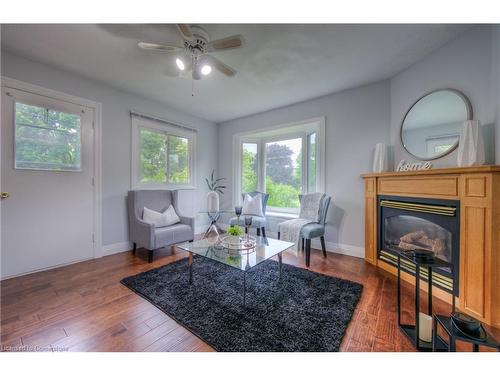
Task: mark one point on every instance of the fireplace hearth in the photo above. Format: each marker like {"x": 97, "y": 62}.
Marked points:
{"x": 425, "y": 225}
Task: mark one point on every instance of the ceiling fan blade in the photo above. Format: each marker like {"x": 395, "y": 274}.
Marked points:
{"x": 231, "y": 42}
{"x": 158, "y": 47}
{"x": 219, "y": 65}
{"x": 185, "y": 31}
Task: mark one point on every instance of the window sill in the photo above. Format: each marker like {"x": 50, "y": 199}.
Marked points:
{"x": 282, "y": 215}
{"x": 163, "y": 187}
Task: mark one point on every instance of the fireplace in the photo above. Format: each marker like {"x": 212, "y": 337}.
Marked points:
{"x": 409, "y": 224}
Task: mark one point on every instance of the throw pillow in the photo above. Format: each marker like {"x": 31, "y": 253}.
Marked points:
{"x": 169, "y": 217}
{"x": 172, "y": 217}
{"x": 252, "y": 205}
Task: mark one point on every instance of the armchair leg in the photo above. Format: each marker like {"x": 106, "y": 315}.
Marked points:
{"x": 263, "y": 231}
{"x": 134, "y": 248}
{"x": 323, "y": 247}
{"x": 278, "y": 235}
{"x": 258, "y": 231}
{"x": 302, "y": 240}
{"x": 150, "y": 256}
{"x": 308, "y": 251}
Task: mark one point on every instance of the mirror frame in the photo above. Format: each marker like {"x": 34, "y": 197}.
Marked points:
{"x": 470, "y": 114}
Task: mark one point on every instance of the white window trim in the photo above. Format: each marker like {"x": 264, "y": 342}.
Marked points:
{"x": 139, "y": 122}
{"x": 250, "y": 137}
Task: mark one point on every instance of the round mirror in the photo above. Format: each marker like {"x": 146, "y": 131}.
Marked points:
{"x": 431, "y": 128}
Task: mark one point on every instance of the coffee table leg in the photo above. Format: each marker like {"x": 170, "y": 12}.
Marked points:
{"x": 190, "y": 261}
{"x": 280, "y": 261}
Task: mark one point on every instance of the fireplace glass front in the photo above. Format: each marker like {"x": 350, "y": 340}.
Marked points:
{"x": 405, "y": 232}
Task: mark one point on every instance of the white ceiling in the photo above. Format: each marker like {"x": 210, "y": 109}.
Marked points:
{"x": 279, "y": 65}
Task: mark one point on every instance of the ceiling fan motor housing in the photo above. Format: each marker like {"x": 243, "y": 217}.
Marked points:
{"x": 197, "y": 46}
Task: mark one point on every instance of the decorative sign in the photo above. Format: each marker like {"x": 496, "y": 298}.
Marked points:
{"x": 404, "y": 166}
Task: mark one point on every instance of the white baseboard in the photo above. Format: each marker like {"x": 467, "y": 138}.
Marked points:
{"x": 115, "y": 248}
{"x": 340, "y": 248}
{"x": 332, "y": 247}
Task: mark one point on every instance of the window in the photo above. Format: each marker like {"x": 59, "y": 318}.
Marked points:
{"x": 440, "y": 144}
{"x": 46, "y": 139}
{"x": 249, "y": 164}
{"x": 282, "y": 162}
{"x": 284, "y": 173}
{"x": 162, "y": 155}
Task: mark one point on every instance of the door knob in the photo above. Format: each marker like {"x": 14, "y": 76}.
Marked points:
{"x": 4, "y": 195}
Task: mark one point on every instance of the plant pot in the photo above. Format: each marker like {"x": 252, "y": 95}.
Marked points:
{"x": 231, "y": 242}
{"x": 212, "y": 201}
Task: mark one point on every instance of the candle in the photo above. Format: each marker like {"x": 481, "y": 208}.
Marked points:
{"x": 425, "y": 327}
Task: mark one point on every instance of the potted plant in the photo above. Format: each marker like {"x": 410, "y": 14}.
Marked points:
{"x": 215, "y": 187}
{"x": 236, "y": 231}
{"x": 232, "y": 240}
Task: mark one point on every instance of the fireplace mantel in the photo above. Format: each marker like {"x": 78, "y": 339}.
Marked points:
{"x": 478, "y": 190}
{"x": 430, "y": 172}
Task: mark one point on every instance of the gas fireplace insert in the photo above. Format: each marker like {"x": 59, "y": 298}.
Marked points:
{"x": 421, "y": 224}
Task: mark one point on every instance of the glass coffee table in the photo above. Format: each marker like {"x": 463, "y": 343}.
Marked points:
{"x": 244, "y": 260}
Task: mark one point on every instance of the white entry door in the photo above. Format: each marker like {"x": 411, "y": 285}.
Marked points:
{"x": 47, "y": 161}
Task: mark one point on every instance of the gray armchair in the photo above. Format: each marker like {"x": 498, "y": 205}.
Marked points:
{"x": 146, "y": 235}
{"x": 314, "y": 230}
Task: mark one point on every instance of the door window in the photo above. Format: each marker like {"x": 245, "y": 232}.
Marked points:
{"x": 47, "y": 139}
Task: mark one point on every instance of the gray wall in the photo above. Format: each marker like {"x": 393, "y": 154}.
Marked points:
{"x": 116, "y": 130}
{"x": 355, "y": 121}
{"x": 464, "y": 64}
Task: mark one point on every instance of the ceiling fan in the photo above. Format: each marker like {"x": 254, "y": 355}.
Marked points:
{"x": 194, "y": 55}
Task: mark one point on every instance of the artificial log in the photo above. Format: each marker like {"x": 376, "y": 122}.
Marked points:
{"x": 418, "y": 240}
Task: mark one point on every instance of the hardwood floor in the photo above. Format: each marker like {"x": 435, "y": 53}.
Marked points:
{"x": 83, "y": 307}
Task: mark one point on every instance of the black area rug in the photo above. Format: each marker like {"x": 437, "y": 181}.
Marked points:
{"x": 304, "y": 311}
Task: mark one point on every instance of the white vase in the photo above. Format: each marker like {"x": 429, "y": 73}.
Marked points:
{"x": 380, "y": 160}
{"x": 471, "y": 145}
{"x": 212, "y": 201}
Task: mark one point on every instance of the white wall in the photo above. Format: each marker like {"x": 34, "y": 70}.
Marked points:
{"x": 463, "y": 64}
{"x": 116, "y": 147}
{"x": 355, "y": 121}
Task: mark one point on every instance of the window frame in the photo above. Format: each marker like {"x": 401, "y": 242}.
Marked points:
{"x": 256, "y": 142}
{"x": 437, "y": 138}
{"x": 302, "y": 129}
{"x": 139, "y": 123}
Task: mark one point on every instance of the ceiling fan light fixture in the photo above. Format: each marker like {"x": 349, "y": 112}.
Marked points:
{"x": 206, "y": 70}
{"x": 180, "y": 64}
